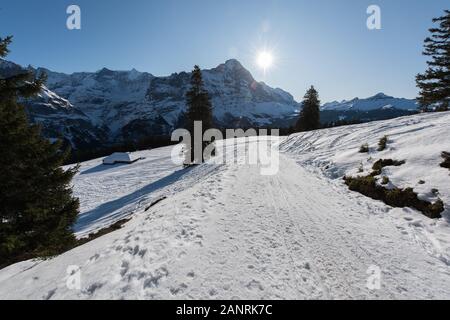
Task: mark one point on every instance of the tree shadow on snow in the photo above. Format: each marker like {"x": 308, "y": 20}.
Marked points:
{"x": 110, "y": 210}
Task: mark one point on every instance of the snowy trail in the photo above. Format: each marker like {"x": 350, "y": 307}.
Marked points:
{"x": 236, "y": 234}
{"x": 305, "y": 240}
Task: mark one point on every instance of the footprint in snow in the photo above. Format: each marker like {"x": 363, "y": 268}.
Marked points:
{"x": 94, "y": 287}
{"x": 255, "y": 285}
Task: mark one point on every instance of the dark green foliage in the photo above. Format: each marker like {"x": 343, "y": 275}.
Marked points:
{"x": 199, "y": 109}
{"x": 384, "y": 180}
{"x": 382, "y": 143}
{"x": 310, "y": 115}
{"x": 395, "y": 197}
{"x": 364, "y": 185}
{"x": 434, "y": 84}
{"x": 37, "y": 209}
{"x": 446, "y": 163}
{"x": 364, "y": 148}
{"x": 4, "y": 43}
{"x": 380, "y": 164}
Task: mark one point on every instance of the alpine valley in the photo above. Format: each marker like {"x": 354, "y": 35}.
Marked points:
{"x": 91, "y": 110}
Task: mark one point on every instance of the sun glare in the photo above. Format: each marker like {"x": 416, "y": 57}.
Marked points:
{"x": 265, "y": 60}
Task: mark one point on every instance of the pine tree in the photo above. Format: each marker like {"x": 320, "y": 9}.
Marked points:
{"x": 37, "y": 209}
{"x": 434, "y": 84}
{"x": 199, "y": 109}
{"x": 310, "y": 115}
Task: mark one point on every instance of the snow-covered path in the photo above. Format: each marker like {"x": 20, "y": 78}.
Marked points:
{"x": 305, "y": 239}
{"x": 236, "y": 234}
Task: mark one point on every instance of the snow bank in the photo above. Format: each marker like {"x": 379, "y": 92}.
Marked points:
{"x": 419, "y": 140}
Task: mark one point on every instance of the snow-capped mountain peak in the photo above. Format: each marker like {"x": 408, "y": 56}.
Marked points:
{"x": 378, "y": 101}
{"x": 380, "y": 95}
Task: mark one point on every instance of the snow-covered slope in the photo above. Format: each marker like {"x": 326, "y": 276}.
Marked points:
{"x": 378, "y": 101}
{"x": 227, "y": 232}
{"x": 111, "y": 192}
{"x": 418, "y": 140}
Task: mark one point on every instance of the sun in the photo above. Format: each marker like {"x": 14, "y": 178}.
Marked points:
{"x": 264, "y": 60}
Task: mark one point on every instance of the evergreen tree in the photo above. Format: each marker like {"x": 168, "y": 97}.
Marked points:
{"x": 434, "y": 84}
{"x": 310, "y": 115}
{"x": 37, "y": 209}
{"x": 199, "y": 109}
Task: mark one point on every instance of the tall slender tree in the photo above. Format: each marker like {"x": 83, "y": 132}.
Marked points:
{"x": 199, "y": 109}
{"x": 37, "y": 208}
{"x": 434, "y": 84}
{"x": 309, "y": 118}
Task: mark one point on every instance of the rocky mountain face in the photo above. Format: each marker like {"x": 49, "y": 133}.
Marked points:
{"x": 131, "y": 105}
{"x": 238, "y": 100}
{"x": 58, "y": 118}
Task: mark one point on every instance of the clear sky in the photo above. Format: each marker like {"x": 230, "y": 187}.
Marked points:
{"x": 321, "y": 42}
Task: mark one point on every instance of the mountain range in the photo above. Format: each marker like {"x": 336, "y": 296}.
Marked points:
{"x": 92, "y": 109}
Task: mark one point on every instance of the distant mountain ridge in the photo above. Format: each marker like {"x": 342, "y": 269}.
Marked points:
{"x": 378, "y": 101}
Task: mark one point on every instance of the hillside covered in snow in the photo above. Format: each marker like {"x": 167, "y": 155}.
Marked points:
{"x": 224, "y": 231}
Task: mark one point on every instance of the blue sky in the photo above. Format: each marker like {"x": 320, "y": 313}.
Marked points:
{"x": 323, "y": 42}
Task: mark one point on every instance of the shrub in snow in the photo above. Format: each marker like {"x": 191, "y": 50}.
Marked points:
{"x": 380, "y": 164}
{"x": 396, "y": 197}
{"x": 382, "y": 143}
{"x": 364, "y": 148}
{"x": 361, "y": 168}
{"x": 446, "y": 163}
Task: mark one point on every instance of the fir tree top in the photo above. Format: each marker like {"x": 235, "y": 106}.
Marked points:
{"x": 22, "y": 84}
{"x": 311, "y": 97}
{"x": 196, "y": 81}
{"x": 434, "y": 84}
